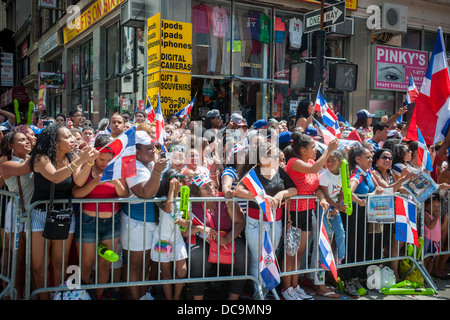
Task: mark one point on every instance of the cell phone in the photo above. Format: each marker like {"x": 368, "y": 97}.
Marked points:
{"x": 162, "y": 155}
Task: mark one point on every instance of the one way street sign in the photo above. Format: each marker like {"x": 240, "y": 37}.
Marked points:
{"x": 333, "y": 15}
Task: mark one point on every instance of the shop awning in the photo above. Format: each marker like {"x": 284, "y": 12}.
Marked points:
{"x": 17, "y": 92}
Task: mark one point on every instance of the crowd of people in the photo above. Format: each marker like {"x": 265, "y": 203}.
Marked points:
{"x": 290, "y": 157}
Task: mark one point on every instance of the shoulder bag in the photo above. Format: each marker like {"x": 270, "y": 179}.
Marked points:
{"x": 57, "y": 223}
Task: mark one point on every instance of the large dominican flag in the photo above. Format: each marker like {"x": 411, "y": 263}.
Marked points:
{"x": 267, "y": 264}
{"x": 432, "y": 110}
{"x": 123, "y": 164}
{"x": 252, "y": 183}
{"x": 405, "y": 221}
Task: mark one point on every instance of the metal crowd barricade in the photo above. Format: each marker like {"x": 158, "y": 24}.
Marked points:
{"x": 11, "y": 236}
{"x": 373, "y": 252}
{"x": 215, "y": 274}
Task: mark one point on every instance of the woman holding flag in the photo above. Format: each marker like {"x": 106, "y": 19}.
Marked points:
{"x": 303, "y": 170}
{"x": 278, "y": 186}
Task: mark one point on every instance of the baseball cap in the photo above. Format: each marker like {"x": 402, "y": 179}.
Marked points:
{"x": 312, "y": 132}
{"x": 213, "y": 113}
{"x": 237, "y": 119}
{"x": 143, "y": 138}
{"x": 284, "y": 137}
{"x": 363, "y": 113}
{"x": 260, "y": 124}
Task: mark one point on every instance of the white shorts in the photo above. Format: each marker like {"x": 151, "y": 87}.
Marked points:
{"x": 136, "y": 235}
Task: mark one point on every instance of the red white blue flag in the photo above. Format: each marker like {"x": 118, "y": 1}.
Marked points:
{"x": 253, "y": 185}
{"x": 412, "y": 93}
{"x": 423, "y": 155}
{"x": 267, "y": 264}
{"x": 149, "y": 111}
{"x": 186, "y": 110}
{"x": 123, "y": 164}
{"x": 328, "y": 261}
{"x": 329, "y": 119}
{"x": 405, "y": 221}
{"x": 327, "y": 135}
{"x": 159, "y": 121}
{"x": 432, "y": 109}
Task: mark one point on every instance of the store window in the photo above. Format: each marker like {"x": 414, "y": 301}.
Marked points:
{"x": 82, "y": 71}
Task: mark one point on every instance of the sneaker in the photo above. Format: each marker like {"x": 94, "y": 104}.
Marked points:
{"x": 350, "y": 289}
{"x": 302, "y": 294}
{"x": 359, "y": 287}
{"x": 147, "y": 296}
{"x": 289, "y": 294}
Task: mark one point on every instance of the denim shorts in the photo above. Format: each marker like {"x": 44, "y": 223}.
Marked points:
{"x": 89, "y": 229}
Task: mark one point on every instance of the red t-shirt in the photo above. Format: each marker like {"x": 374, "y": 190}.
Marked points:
{"x": 306, "y": 183}
{"x": 102, "y": 191}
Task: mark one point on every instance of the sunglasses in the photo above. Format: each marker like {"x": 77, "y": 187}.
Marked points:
{"x": 386, "y": 158}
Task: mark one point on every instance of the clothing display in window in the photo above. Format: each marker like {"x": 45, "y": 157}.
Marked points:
{"x": 280, "y": 47}
{"x": 295, "y": 33}
{"x": 219, "y": 22}
{"x": 264, "y": 31}
{"x": 239, "y": 49}
{"x": 201, "y": 18}
{"x": 251, "y": 25}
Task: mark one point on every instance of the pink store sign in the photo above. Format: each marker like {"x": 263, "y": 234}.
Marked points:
{"x": 394, "y": 66}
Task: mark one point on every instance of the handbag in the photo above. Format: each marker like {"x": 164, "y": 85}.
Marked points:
{"x": 57, "y": 222}
{"x": 222, "y": 254}
{"x": 292, "y": 242}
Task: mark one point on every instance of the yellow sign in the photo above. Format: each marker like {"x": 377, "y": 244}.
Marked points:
{"x": 91, "y": 15}
{"x": 169, "y": 62}
{"x": 349, "y": 4}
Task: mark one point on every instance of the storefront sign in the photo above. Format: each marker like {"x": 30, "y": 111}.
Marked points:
{"x": 15, "y": 93}
{"x": 49, "y": 45}
{"x": 394, "y": 66}
{"x": 53, "y": 80}
{"x": 7, "y": 69}
{"x": 169, "y": 61}
{"x": 42, "y": 97}
{"x": 51, "y": 4}
{"x": 87, "y": 18}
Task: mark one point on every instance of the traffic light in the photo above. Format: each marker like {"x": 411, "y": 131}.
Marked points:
{"x": 301, "y": 75}
{"x": 342, "y": 76}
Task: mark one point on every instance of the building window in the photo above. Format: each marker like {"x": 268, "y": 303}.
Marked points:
{"x": 82, "y": 70}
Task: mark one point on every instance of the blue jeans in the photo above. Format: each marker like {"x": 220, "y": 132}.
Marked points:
{"x": 89, "y": 229}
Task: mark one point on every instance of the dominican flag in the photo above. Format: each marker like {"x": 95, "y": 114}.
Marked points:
{"x": 423, "y": 155}
{"x": 341, "y": 118}
{"x": 149, "y": 111}
{"x": 268, "y": 265}
{"x": 328, "y": 261}
{"x": 159, "y": 120}
{"x": 123, "y": 164}
{"x": 253, "y": 185}
{"x": 186, "y": 110}
{"x": 405, "y": 222}
{"x": 327, "y": 135}
{"x": 328, "y": 117}
{"x": 412, "y": 93}
{"x": 432, "y": 109}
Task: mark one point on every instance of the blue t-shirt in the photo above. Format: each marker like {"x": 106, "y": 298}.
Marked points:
{"x": 365, "y": 183}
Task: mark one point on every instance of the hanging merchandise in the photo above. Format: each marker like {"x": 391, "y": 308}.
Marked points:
{"x": 295, "y": 33}
{"x": 264, "y": 28}
{"x": 219, "y": 22}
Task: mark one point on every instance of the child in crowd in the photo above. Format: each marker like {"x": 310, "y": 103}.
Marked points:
{"x": 168, "y": 244}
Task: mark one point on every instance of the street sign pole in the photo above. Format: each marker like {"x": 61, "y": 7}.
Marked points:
{"x": 319, "y": 76}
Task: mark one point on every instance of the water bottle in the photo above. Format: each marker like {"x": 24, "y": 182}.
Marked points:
{"x": 107, "y": 254}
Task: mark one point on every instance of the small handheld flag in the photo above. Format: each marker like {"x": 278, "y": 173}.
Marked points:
{"x": 252, "y": 183}
{"x": 327, "y": 254}
{"x": 405, "y": 222}
{"x": 186, "y": 110}
{"x": 267, "y": 264}
{"x": 423, "y": 155}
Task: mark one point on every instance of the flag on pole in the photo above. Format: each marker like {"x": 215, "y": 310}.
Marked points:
{"x": 423, "y": 155}
{"x": 432, "y": 109}
{"x": 149, "y": 111}
{"x": 328, "y": 261}
{"x": 405, "y": 222}
{"x": 329, "y": 118}
{"x": 341, "y": 118}
{"x": 159, "y": 120}
{"x": 252, "y": 183}
{"x": 186, "y": 110}
{"x": 267, "y": 264}
{"x": 412, "y": 93}
{"x": 123, "y": 164}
